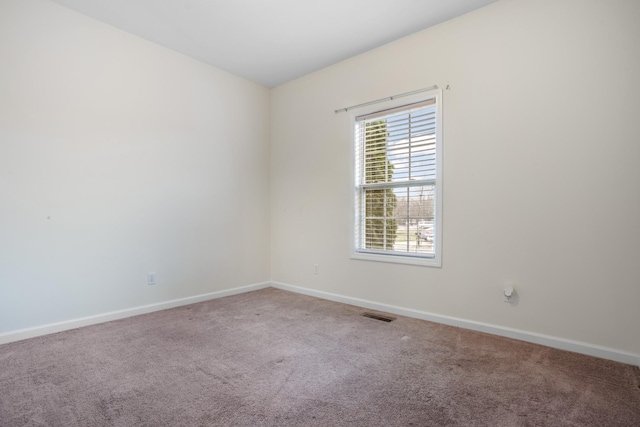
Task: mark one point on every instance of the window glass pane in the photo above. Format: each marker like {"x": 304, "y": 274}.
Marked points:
{"x": 400, "y": 219}
{"x": 401, "y": 147}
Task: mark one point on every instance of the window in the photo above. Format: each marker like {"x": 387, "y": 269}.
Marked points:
{"x": 398, "y": 182}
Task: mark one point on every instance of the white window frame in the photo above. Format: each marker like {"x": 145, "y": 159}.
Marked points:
{"x": 430, "y": 261}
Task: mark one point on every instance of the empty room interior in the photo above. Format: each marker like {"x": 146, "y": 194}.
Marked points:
{"x": 194, "y": 221}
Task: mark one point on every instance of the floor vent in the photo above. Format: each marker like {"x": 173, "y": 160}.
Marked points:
{"x": 379, "y": 317}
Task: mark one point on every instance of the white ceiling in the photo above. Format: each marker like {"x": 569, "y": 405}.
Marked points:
{"x": 272, "y": 41}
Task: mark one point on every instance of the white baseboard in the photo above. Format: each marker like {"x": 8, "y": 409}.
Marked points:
{"x": 51, "y": 328}
{"x": 532, "y": 337}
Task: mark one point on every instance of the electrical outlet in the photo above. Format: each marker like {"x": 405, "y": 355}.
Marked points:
{"x": 315, "y": 269}
{"x": 151, "y": 279}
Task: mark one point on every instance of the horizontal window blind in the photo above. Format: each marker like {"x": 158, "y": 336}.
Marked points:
{"x": 396, "y": 154}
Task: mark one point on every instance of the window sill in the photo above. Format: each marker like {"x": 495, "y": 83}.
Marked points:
{"x": 397, "y": 259}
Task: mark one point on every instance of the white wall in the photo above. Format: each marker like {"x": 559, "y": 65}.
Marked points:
{"x": 541, "y": 170}
{"x": 119, "y": 157}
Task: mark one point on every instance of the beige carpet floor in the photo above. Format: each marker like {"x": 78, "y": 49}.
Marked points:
{"x": 274, "y": 358}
